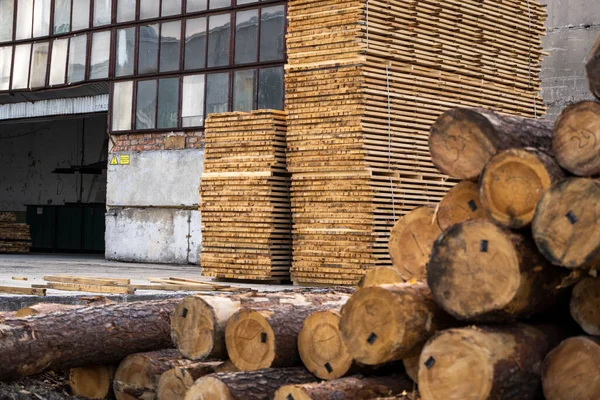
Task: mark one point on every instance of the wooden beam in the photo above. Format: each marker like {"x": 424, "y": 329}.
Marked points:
{"x": 23, "y": 290}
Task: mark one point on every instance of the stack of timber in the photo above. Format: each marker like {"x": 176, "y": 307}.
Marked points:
{"x": 365, "y": 81}
{"x": 14, "y": 237}
{"x": 245, "y": 201}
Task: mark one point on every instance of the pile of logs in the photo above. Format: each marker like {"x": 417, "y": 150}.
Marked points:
{"x": 14, "y": 237}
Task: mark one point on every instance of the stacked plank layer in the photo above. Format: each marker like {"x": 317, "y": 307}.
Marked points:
{"x": 365, "y": 81}
{"x": 245, "y": 201}
{"x": 14, "y": 237}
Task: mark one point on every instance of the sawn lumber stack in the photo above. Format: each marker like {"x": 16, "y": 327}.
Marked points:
{"x": 14, "y": 237}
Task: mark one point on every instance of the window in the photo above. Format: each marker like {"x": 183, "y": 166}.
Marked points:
{"x": 125, "y": 52}
{"x": 81, "y": 15}
{"x": 24, "y": 19}
{"x": 244, "y": 83}
{"x": 246, "y": 36}
{"x": 219, "y": 32}
{"x": 168, "y": 103}
{"x": 20, "y": 79}
{"x": 240, "y": 2}
{"x": 170, "y": 7}
{"x": 58, "y": 61}
{"x": 195, "y": 43}
{"x": 149, "y": 9}
{"x": 39, "y": 65}
{"x": 5, "y": 63}
{"x": 272, "y": 33}
{"x": 62, "y": 16}
{"x": 122, "y": 106}
{"x": 77, "y": 59}
{"x": 217, "y": 93}
{"x": 219, "y": 4}
{"x": 145, "y": 108}
{"x": 148, "y": 50}
{"x": 102, "y": 12}
{"x": 192, "y": 101}
{"x": 170, "y": 46}
{"x": 196, "y": 5}
{"x": 6, "y": 20}
{"x": 100, "y": 55}
{"x": 270, "y": 88}
{"x": 41, "y": 18}
{"x": 126, "y": 10}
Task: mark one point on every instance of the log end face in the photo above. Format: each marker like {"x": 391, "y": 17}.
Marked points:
{"x": 250, "y": 341}
{"x": 134, "y": 375}
{"x": 174, "y": 384}
{"x": 592, "y": 69}
{"x": 380, "y": 276}
{"x": 576, "y": 139}
{"x": 91, "y": 382}
{"x": 461, "y": 142}
{"x": 585, "y": 305}
{"x": 460, "y": 204}
{"x": 291, "y": 392}
{"x": 193, "y": 328}
{"x": 209, "y": 388}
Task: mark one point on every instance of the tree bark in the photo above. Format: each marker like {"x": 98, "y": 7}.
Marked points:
{"x": 566, "y": 226}
{"x": 243, "y": 385}
{"x": 481, "y": 272}
{"x": 411, "y": 240}
{"x": 380, "y": 276}
{"x": 389, "y": 323}
{"x": 592, "y": 69}
{"x": 198, "y": 323}
{"x": 585, "y": 305}
{"x": 92, "y": 382}
{"x": 95, "y": 335}
{"x": 460, "y": 204}
{"x": 462, "y": 141}
{"x": 571, "y": 370}
{"x": 513, "y": 182}
{"x": 485, "y": 363}
{"x": 354, "y": 387}
{"x": 264, "y": 335}
{"x": 174, "y": 383}
{"x": 138, "y": 374}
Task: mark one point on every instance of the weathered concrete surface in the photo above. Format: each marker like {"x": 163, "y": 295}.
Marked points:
{"x": 562, "y": 13}
{"x": 160, "y": 235}
{"x": 167, "y": 178}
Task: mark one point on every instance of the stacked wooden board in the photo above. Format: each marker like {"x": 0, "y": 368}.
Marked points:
{"x": 245, "y": 201}
{"x": 365, "y": 81}
{"x": 14, "y": 237}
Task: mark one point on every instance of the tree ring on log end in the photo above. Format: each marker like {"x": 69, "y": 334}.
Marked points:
{"x": 209, "y": 388}
{"x": 460, "y": 204}
{"x": 468, "y": 281}
{"x": 292, "y": 392}
{"x": 134, "y": 373}
{"x": 511, "y": 186}
{"x": 461, "y": 143}
{"x": 585, "y": 305}
{"x": 321, "y": 346}
{"x": 193, "y": 328}
{"x": 250, "y": 341}
{"x": 91, "y": 382}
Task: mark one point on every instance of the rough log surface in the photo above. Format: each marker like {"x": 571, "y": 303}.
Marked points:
{"x": 460, "y": 204}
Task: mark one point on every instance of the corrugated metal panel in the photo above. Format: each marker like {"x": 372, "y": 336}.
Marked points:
{"x": 86, "y": 90}
{"x": 44, "y": 108}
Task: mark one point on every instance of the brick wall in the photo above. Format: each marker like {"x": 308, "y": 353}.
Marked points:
{"x": 158, "y": 141}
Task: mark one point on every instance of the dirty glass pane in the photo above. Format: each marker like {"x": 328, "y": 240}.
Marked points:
{"x": 196, "y": 5}
{"x": 219, "y": 33}
{"x": 240, "y": 2}
{"x": 246, "y": 36}
{"x": 126, "y": 10}
{"x": 5, "y": 63}
{"x": 195, "y": 43}
{"x": 62, "y": 16}
{"x": 21, "y": 66}
{"x": 125, "y": 52}
{"x": 270, "y": 88}
{"x": 243, "y": 90}
{"x": 217, "y": 93}
{"x": 170, "y": 46}
{"x": 170, "y": 7}
{"x": 81, "y": 15}
{"x": 192, "y": 103}
{"x": 41, "y": 18}
{"x": 100, "y": 56}
{"x": 24, "y": 19}
{"x": 6, "y": 20}
{"x": 145, "y": 109}
{"x": 39, "y": 65}
{"x": 219, "y": 4}
{"x": 122, "y": 106}
{"x": 148, "y": 51}
{"x": 149, "y": 9}
{"x": 102, "y": 12}
{"x": 77, "y": 59}
{"x": 58, "y": 61}
{"x": 272, "y": 32}
{"x": 168, "y": 102}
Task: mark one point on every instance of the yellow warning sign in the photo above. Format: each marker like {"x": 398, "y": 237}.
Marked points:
{"x": 113, "y": 161}
{"x": 124, "y": 159}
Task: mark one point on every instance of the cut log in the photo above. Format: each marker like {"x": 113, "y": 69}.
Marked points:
{"x": 462, "y": 141}
{"x": 138, "y": 374}
{"x": 482, "y": 363}
{"x": 266, "y": 335}
{"x": 92, "y": 382}
{"x": 350, "y": 388}
{"x": 175, "y": 383}
{"x": 576, "y": 140}
{"x": 592, "y": 69}
{"x": 411, "y": 366}
{"x": 460, "y": 204}
{"x": 389, "y": 323}
{"x": 513, "y": 182}
{"x": 198, "y": 323}
{"x": 585, "y": 305}
{"x": 380, "y": 276}
{"x": 255, "y": 385}
{"x": 44, "y": 308}
{"x": 481, "y": 272}
{"x": 96, "y": 335}
{"x": 571, "y": 371}
{"x": 411, "y": 240}
{"x": 566, "y": 226}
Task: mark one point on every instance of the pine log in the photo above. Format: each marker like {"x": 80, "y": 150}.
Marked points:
{"x": 462, "y": 141}
{"x": 585, "y": 305}
{"x": 44, "y": 308}
{"x": 571, "y": 371}
{"x": 481, "y": 363}
{"x": 411, "y": 366}
{"x": 513, "y": 182}
{"x": 566, "y": 226}
{"x": 266, "y": 335}
{"x": 138, "y": 374}
{"x": 92, "y": 382}
{"x": 389, "y": 323}
{"x": 380, "y": 276}
{"x": 255, "y": 385}
{"x": 576, "y": 139}
{"x": 592, "y": 69}
{"x": 96, "y": 335}
{"x": 460, "y": 204}
{"x": 481, "y": 272}
{"x": 198, "y": 323}
{"x": 350, "y": 388}
{"x": 175, "y": 383}
{"x": 411, "y": 240}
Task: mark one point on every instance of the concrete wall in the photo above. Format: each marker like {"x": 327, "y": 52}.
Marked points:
{"x": 30, "y": 151}
{"x": 573, "y": 27}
